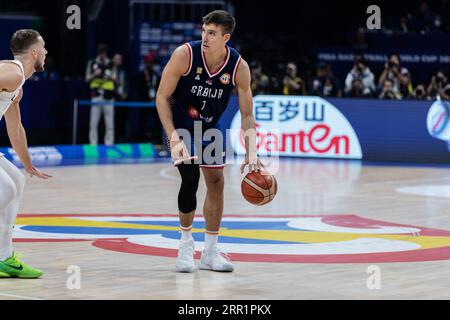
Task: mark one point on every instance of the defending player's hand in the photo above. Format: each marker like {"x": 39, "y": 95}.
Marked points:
{"x": 19, "y": 96}
{"x": 253, "y": 166}
{"x": 179, "y": 152}
{"x": 32, "y": 171}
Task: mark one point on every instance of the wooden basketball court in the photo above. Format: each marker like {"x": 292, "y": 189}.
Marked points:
{"x": 331, "y": 224}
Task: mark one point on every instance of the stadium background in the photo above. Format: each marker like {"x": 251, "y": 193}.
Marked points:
{"x": 306, "y": 33}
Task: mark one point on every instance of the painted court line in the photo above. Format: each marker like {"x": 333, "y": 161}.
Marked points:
{"x": 19, "y": 297}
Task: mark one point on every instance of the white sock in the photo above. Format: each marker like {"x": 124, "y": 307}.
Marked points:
{"x": 186, "y": 233}
{"x": 211, "y": 238}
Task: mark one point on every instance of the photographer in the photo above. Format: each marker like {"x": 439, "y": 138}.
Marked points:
{"x": 387, "y": 91}
{"x": 362, "y": 77}
{"x": 357, "y": 89}
{"x": 419, "y": 93}
{"x": 324, "y": 83}
{"x": 260, "y": 81}
{"x": 101, "y": 77}
{"x": 439, "y": 86}
{"x": 293, "y": 84}
{"x": 394, "y": 72}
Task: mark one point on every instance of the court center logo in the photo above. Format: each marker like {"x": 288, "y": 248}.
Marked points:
{"x": 282, "y": 239}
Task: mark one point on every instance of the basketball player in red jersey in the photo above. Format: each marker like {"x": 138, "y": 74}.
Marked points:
{"x": 195, "y": 87}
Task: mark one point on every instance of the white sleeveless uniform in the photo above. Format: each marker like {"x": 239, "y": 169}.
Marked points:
{"x": 7, "y": 98}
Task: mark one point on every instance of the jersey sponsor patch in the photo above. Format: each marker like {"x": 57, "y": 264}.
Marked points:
{"x": 193, "y": 113}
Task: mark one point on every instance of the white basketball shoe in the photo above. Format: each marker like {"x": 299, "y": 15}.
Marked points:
{"x": 215, "y": 260}
{"x": 185, "y": 259}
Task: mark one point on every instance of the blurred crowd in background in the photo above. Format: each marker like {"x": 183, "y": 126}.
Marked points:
{"x": 303, "y": 75}
{"x": 279, "y": 44}
{"x": 394, "y": 82}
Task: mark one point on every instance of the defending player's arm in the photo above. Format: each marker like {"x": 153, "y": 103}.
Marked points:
{"x": 243, "y": 79}
{"x": 18, "y": 138}
{"x": 175, "y": 68}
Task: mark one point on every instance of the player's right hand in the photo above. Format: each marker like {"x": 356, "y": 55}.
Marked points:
{"x": 32, "y": 171}
{"x": 179, "y": 152}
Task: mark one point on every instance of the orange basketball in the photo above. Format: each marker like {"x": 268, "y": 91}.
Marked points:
{"x": 259, "y": 188}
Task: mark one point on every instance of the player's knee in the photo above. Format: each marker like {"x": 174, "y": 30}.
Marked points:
{"x": 216, "y": 183}
{"x": 9, "y": 193}
{"x": 20, "y": 182}
{"x": 187, "y": 197}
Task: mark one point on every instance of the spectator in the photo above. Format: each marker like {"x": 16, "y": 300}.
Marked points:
{"x": 144, "y": 123}
{"x": 404, "y": 25}
{"x": 360, "y": 43}
{"x": 425, "y": 18}
{"x": 394, "y": 72}
{"x": 101, "y": 78}
{"x": 437, "y": 25}
{"x": 387, "y": 91}
{"x": 445, "y": 15}
{"x": 293, "y": 84}
{"x": 121, "y": 83}
{"x": 446, "y": 92}
{"x": 419, "y": 93}
{"x": 361, "y": 72}
{"x": 260, "y": 81}
{"x": 325, "y": 84}
{"x": 438, "y": 86}
{"x": 406, "y": 87}
{"x": 121, "y": 93}
{"x": 357, "y": 89}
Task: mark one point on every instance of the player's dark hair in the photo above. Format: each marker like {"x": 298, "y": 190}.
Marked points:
{"x": 22, "y": 40}
{"x": 221, "y": 18}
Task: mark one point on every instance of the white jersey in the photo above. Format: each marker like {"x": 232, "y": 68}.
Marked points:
{"x": 7, "y": 98}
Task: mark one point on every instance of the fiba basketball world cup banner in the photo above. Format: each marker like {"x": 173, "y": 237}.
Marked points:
{"x": 299, "y": 127}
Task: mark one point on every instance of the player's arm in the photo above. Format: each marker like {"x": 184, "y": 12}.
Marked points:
{"x": 18, "y": 138}
{"x": 243, "y": 87}
{"x": 10, "y": 77}
{"x": 175, "y": 68}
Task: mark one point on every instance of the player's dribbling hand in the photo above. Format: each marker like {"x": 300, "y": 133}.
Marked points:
{"x": 179, "y": 152}
{"x": 255, "y": 166}
{"x": 32, "y": 171}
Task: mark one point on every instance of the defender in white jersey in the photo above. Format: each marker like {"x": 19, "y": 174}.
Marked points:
{"x": 28, "y": 48}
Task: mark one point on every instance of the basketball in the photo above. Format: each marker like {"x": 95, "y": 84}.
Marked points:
{"x": 259, "y": 188}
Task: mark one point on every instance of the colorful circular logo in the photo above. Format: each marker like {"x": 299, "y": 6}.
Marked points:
{"x": 282, "y": 239}
{"x": 438, "y": 120}
{"x": 225, "y": 78}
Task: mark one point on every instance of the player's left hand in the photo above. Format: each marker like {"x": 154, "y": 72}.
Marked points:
{"x": 32, "y": 171}
{"x": 255, "y": 166}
